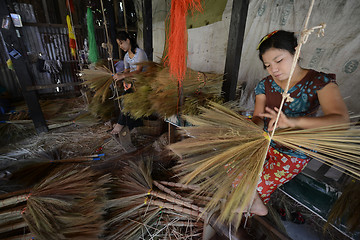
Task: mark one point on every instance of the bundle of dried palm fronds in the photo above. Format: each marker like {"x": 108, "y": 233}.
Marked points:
{"x": 157, "y": 92}
{"x": 224, "y": 146}
{"x": 98, "y": 80}
{"x": 347, "y": 207}
{"x": 66, "y": 204}
{"x": 141, "y": 208}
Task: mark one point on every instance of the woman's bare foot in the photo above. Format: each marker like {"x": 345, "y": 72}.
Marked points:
{"x": 258, "y": 207}
{"x": 117, "y": 129}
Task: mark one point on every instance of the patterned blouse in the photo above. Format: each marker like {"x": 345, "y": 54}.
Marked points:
{"x": 305, "y": 100}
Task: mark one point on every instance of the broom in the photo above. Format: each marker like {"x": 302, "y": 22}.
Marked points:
{"x": 224, "y": 146}
{"x": 98, "y": 80}
{"x": 137, "y": 208}
{"x": 66, "y": 204}
{"x": 346, "y": 207}
{"x": 157, "y": 92}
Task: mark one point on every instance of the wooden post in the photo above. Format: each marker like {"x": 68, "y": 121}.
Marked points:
{"x": 109, "y": 5}
{"x": 14, "y": 42}
{"x": 147, "y": 28}
{"x": 234, "y": 48}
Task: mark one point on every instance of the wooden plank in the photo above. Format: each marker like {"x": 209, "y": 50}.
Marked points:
{"x": 234, "y": 48}
{"x": 147, "y": 28}
{"x": 13, "y": 38}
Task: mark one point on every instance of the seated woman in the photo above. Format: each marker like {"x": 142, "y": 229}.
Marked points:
{"x": 133, "y": 56}
{"x": 124, "y": 119}
{"x": 308, "y": 91}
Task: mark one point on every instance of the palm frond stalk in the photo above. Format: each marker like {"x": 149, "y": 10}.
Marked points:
{"x": 224, "y": 146}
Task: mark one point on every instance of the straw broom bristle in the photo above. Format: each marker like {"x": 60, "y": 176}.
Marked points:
{"x": 136, "y": 210}
{"x": 66, "y": 203}
{"x": 346, "y": 207}
{"x": 103, "y": 110}
{"x": 11, "y": 132}
{"x": 224, "y": 145}
{"x": 99, "y": 80}
{"x": 157, "y": 92}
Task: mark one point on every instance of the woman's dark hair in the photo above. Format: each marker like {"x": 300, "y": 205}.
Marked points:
{"x": 123, "y": 36}
{"x": 280, "y": 40}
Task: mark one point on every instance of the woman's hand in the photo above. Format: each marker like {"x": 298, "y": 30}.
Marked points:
{"x": 284, "y": 122}
{"x": 118, "y": 76}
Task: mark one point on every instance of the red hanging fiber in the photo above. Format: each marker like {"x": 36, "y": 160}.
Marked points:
{"x": 177, "y": 42}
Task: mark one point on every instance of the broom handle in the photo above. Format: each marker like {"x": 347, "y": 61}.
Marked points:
{"x": 196, "y": 214}
{"x": 170, "y": 192}
{"x": 10, "y": 216}
{"x": 22, "y": 237}
{"x": 180, "y": 185}
{"x": 13, "y": 227}
{"x": 14, "y": 200}
{"x": 176, "y": 201}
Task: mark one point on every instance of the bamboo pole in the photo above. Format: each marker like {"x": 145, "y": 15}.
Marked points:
{"x": 170, "y": 192}
{"x": 14, "y": 200}
{"x": 180, "y": 185}
{"x": 21, "y": 237}
{"x": 176, "y": 201}
{"x": 14, "y": 226}
{"x": 179, "y": 209}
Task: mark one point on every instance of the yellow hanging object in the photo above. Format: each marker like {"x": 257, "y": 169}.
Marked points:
{"x": 72, "y": 42}
{"x": 10, "y": 64}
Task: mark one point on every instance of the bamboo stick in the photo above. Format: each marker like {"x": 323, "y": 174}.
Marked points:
{"x": 14, "y": 200}
{"x": 196, "y": 214}
{"x": 21, "y": 237}
{"x": 170, "y": 192}
{"x": 176, "y": 201}
{"x": 180, "y": 185}
{"x": 13, "y": 227}
{"x": 11, "y": 215}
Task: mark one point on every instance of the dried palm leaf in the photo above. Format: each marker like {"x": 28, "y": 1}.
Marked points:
{"x": 99, "y": 80}
{"x": 224, "y": 146}
{"x": 346, "y": 207}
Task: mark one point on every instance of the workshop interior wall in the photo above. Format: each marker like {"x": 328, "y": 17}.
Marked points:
{"x": 337, "y": 52}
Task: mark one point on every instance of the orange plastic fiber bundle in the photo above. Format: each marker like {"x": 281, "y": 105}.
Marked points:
{"x": 177, "y": 42}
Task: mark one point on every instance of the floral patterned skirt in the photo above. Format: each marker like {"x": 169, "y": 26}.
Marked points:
{"x": 278, "y": 170}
